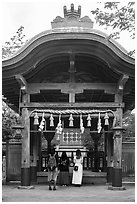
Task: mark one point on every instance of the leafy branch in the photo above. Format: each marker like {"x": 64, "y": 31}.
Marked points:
{"x": 119, "y": 18}
{"x": 15, "y": 43}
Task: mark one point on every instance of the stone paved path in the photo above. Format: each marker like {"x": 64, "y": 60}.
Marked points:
{"x": 85, "y": 193}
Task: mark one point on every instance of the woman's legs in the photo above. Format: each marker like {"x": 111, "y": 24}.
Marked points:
{"x": 50, "y": 185}
{"x": 54, "y": 185}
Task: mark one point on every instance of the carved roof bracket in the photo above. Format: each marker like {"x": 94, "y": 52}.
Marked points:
{"x": 22, "y": 82}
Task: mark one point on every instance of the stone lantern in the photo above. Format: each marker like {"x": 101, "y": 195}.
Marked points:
{"x": 117, "y": 159}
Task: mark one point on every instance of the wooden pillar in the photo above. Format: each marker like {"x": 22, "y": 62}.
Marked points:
{"x": 117, "y": 141}
{"x": 109, "y": 157}
{"x": 34, "y": 138}
{"x": 71, "y": 97}
{"x": 117, "y": 157}
{"x": 39, "y": 153}
{"x": 117, "y": 145}
{"x": 25, "y": 162}
{"x": 7, "y": 158}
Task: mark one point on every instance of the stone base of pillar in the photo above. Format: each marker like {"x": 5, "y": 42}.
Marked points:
{"x": 33, "y": 174}
{"x": 117, "y": 188}
{"x": 109, "y": 174}
{"x": 117, "y": 177}
{"x": 26, "y": 187}
{"x": 25, "y": 176}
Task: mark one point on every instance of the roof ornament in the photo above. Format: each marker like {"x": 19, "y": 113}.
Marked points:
{"x": 72, "y": 13}
{"x": 72, "y": 18}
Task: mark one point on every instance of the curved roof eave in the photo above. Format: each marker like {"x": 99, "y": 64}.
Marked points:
{"x": 48, "y": 36}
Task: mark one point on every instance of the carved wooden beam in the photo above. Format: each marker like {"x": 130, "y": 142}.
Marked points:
{"x": 72, "y": 87}
{"x": 122, "y": 82}
{"x": 22, "y": 82}
{"x": 72, "y": 69}
{"x": 72, "y": 105}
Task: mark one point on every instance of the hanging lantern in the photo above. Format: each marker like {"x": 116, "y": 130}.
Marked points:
{"x": 89, "y": 121}
{"x": 81, "y": 124}
{"x": 36, "y": 121}
{"x": 51, "y": 121}
{"x": 41, "y": 127}
{"x": 71, "y": 120}
{"x": 106, "y": 119}
{"x": 99, "y": 124}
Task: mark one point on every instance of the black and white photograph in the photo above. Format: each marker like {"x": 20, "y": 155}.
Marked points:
{"x": 68, "y": 101}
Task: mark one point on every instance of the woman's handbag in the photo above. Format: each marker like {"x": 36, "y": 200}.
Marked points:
{"x": 75, "y": 168}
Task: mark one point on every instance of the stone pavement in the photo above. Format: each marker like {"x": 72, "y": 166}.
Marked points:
{"x": 85, "y": 193}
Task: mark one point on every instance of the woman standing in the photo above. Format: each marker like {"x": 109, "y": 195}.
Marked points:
{"x": 78, "y": 169}
{"x": 64, "y": 169}
{"x": 52, "y": 166}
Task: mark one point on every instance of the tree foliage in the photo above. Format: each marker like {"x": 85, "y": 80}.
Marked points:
{"x": 15, "y": 43}
{"x": 129, "y": 126}
{"x": 87, "y": 140}
{"x": 9, "y": 118}
{"x": 119, "y": 18}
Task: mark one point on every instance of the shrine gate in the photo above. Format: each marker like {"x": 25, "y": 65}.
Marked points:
{"x": 69, "y": 83}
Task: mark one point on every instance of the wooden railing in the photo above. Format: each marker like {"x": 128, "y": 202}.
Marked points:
{"x": 93, "y": 162}
{"x": 98, "y": 162}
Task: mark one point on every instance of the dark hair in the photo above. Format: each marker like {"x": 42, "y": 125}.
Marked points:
{"x": 52, "y": 151}
{"x": 78, "y": 152}
{"x": 64, "y": 155}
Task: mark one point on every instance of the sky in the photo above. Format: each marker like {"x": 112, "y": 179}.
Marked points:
{"x": 36, "y": 16}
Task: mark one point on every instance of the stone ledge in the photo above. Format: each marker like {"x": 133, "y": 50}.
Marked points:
{"x": 117, "y": 188}
{"x": 85, "y": 174}
{"x": 26, "y": 187}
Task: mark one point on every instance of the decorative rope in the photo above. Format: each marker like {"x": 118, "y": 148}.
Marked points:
{"x": 99, "y": 124}
{"x": 71, "y": 111}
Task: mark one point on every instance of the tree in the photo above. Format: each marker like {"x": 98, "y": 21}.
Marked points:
{"x": 87, "y": 140}
{"x": 9, "y": 118}
{"x": 15, "y": 43}
{"x": 119, "y": 18}
{"x": 129, "y": 126}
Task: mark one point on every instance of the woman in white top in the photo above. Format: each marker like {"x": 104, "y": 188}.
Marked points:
{"x": 77, "y": 174}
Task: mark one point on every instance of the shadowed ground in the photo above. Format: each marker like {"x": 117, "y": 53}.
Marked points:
{"x": 85, "y": 193}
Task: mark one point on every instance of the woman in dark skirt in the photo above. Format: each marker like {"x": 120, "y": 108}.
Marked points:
{"x": 64, "y": 169}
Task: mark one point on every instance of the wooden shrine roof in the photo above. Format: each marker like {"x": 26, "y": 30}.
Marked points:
{"x": 45, "y": 58}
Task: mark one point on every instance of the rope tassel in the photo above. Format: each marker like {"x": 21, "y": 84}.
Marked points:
{"x": 81, "y": 125}
{"x": 71, "y": 120}
{"x": 51, "y": 121}
{"x": 41, "y": 127}
{"x": 59, "y": 126}
{"x": 89, "y": 121}
{"x": 36, "y": 117}
{"x": 99, "y": 124}
{"x": 106, "y": 119}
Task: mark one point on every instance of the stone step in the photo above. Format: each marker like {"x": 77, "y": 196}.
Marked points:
{"x": 88, "y": 177}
